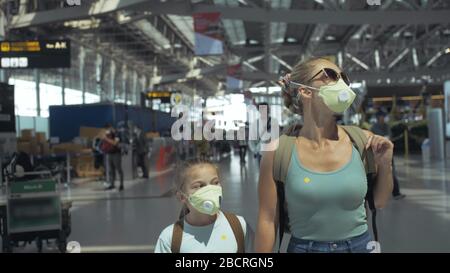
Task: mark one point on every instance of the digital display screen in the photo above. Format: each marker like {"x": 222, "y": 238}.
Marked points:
{"x": 35, "y": 54}
{"x": 164, "y": 96}
{"x": 7, "y": 109}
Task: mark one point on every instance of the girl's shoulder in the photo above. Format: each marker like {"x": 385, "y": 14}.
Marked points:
{"x": 166, "y": 233}
{"x": 241, "y": 220}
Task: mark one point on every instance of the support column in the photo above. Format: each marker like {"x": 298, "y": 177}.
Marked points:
{"x": 98, "y": 77}
{"x": 340, "y": 59}
{"x": 3, "y": 23}
{"x": 23, "y": 7}
{"x": 112, "y": 86}
{"x": 63, "y": 86}
{"x": 155, "y": 73}
{"x": 143, "y": 81}
{"x": 124, "y": 82}
{"x": 267, "y": 45}
{"x": 134, "y": 89}
{"x": 82, "y": 56}
{"x": 37, "y": 80}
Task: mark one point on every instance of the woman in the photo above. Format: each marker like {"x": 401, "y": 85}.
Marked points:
{"x": 326, "y": 181}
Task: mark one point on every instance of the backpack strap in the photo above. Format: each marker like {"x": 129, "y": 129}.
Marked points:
{"x": 359, "y": 138}
{"x": 237, "y": 230}
{"x": 177, "y": 236}
{"x": 282, "y": 159}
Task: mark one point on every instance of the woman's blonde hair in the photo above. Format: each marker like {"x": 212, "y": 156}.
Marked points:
{"x": 301, "y": 73}
{"x": 182, "y": 176}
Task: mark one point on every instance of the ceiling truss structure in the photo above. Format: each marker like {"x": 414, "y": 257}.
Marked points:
{"x": 380, "y": 45}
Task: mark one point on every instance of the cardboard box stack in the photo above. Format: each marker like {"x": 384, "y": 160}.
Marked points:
{"x": 28, "y": 143}
{"x": 90, "y": 132}
{"x": 84, "y": 166}
{"x": 70, "y": 148}
{"x": 26, "y": 135}
{"x": 82, "y": 158}
{"x": 40, "y": 137}
{"x": 152, "y": 134}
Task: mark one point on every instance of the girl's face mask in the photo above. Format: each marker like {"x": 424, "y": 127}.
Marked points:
{"x": 207, "y": 199}
{"x": 337, "y": 97}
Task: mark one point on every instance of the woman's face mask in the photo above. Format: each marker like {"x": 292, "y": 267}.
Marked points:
{"x": 207, "y": 199}
{"x": 337, "y": 96}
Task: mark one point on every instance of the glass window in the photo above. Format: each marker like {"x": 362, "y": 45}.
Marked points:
{"x": 49, "y": 95}
{"x": 73, "y": 96}
{"x": 24, "y": 97}
{"x": 91, "y": 98}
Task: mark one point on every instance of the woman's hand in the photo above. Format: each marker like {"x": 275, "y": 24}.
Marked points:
{"x": 382, "y": 148}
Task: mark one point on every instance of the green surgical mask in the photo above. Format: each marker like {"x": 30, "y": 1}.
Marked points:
{"x": 207, "y": 199}
{"x": 337, "y": 97}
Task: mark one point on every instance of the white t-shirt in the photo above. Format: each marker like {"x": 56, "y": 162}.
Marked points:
{"x": 215, "y": 238}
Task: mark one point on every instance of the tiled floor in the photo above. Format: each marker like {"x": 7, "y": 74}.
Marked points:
{"x": 132, "y": 220}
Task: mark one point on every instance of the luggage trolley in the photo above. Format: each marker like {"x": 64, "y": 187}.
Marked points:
{"x": 34, "y": 212}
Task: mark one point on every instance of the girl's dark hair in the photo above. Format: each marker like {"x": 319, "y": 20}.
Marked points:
{"x": 182, "y": 175}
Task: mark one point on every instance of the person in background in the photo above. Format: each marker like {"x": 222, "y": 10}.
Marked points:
{"x": 243, "y": 146}
{"x": 110, "y": 146}
{"x": 382, "y": 128}
{"x": 98, "y": 154}
{"x": 265, "y": 128}
{"x": 141, "y": 150}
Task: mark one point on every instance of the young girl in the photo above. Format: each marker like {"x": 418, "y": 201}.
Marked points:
{"x": 202, "y": 226}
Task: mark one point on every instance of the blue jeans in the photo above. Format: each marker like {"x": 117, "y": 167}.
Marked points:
{"x": 358, "y": 244}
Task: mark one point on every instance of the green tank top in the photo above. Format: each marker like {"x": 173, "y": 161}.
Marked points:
{"x": 326, "y": 206}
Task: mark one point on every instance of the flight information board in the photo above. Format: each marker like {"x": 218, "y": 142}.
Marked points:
{"x": 7, "y": 110}
{"x": 164, "y": 96}
{"x": 35, "y": 54}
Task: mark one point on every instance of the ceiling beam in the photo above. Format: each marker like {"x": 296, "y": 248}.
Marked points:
{"x": 371, "y": 77}
{"x": 192, "y": 74}
{"x": 339, "y": 17}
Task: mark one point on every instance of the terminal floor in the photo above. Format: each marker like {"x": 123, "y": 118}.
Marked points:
{"x": 130, "y": 221}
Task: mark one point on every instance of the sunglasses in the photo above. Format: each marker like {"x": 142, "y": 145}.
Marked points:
{"x": 332, "y": 75}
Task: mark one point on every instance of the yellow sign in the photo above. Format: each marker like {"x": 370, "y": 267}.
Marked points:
{"x": 29, "y": 46}
{"x": 5, "y": 47}
{"x": 158, "y": 94}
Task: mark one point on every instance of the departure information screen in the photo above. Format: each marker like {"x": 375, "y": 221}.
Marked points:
{"x": 164, "y": 96}
{"x": 35, "y": 54}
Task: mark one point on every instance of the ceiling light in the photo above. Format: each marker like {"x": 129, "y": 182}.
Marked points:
{"x": 291, "y": 40}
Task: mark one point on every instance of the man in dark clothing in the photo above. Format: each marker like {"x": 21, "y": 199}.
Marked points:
{"x": 382, "y": 129}
{"x": 141, "y": 150}
{"x": 110, "y": 146}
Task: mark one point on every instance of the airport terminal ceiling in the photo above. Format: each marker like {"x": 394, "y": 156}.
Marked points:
{"x": 398, "y": 43}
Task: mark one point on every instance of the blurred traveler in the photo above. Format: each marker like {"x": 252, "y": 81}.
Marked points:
{"x": 141, "y": 150}
{"x": 110, "y": 146}
{"x": 382, "y": 128}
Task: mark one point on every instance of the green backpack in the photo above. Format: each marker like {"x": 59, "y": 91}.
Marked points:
{"x": 282, "y": 159}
